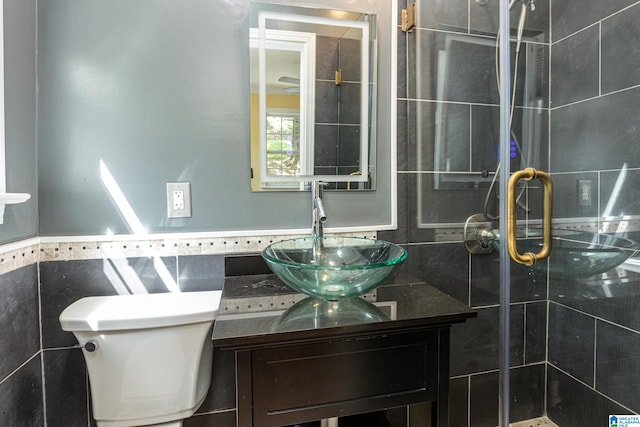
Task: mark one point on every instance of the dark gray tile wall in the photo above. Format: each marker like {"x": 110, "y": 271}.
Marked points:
{"x": 66, "y": 388}
{"x": 575, "y": 67}
{"x": 596, "y": 135}
{"x": 21, "y": 396}
{"x": 617, "y": 364}
{"x": 459, "y": 401}
{"x": 475, "y": 345}
{"x": 569, "y": 16}
{"x": 571, "y": 342}
{"x": 525, "y": 397}
{"x": 483, "y": 397}
{"x": 337, "y": 131}
{"x": 221, "y": 419}
{"x": 470, "y": 108}
{"x": 535, "y": 332}
{"x": 20, "y": 357}
{"x": 593, "y": 324}
{"x": 572, "y": 404}
{"x": 620, "y": 63}
{"x": 527, "y": 390}
{"x": 19, "y": 318}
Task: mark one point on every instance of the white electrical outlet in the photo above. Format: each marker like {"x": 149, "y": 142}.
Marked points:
{"x": 178, "y": 199}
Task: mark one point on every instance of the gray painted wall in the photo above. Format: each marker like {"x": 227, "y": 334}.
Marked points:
{"x": 20, "y": 221}
{"x": 159, "y": 92}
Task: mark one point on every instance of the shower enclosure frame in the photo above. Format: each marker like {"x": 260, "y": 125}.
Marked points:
{"x": 503, "y": 179}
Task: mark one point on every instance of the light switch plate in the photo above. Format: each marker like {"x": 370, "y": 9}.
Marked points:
{"x": 178, "y": 199}
{"x": 585, "y": 187}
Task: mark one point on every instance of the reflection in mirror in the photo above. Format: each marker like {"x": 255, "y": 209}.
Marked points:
{"x": 461, "y": 162}
{"x": 312, "y": 313}
{"x": 457, "y": 138}
{"x": 312, "y": 97}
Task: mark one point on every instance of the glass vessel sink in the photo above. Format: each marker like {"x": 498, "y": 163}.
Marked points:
{"x": 334, "y": 268}
{"x": 577, "y": 254}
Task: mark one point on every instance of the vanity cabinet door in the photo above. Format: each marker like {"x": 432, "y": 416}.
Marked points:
{"x": 307, "y": 382}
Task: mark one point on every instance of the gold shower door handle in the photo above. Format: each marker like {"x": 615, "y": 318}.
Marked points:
{"x": 529, "y": 258}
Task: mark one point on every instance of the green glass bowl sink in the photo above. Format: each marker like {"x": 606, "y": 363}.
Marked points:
{"x": 334, "y": 268}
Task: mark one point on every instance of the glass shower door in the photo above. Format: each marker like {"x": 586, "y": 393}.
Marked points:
{"x": 571, "y": 332}
{"x": 592, "y": 334}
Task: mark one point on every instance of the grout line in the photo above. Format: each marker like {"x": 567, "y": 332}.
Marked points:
{"x": 469, "y": 279}
{"x": 524, "y": 334}
{"x": 599, "y": 194}
{"x": 214, "y": 412}
{"x": 468, "y": 401}
{"x": 495, "y": 371}
{"x": 592, "y": 389}
{"x": 40, "y": 333}
{"x": 546, "y": 354}
{"x": 469, "y": 17}
{"x": 595, "y": 347}
{"x": 584, "y": 313}
{"x": 88, "y": 397}
{"x": 44, "y": 389}
{"x": 600, "y": 58}
{"x": 615, "y": 92}
{"x": 19, "y": 367}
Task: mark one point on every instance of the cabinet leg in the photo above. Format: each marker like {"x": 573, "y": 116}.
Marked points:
{"x": 329, "y": 422}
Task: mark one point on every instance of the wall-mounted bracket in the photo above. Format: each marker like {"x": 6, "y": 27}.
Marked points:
{"x": 11, "y": 199}
{"x": 409, "y": 18}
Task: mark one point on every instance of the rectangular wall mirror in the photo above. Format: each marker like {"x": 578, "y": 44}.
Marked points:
{"x": 313, "y": 97}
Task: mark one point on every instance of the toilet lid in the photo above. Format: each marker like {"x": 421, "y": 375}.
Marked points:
{"x": 122, "y": 312}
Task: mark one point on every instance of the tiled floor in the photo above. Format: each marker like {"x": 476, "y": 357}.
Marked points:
{"x": 537, "y": 422}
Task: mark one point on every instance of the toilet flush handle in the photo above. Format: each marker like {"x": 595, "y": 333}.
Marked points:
{"x": 91, "y": 346}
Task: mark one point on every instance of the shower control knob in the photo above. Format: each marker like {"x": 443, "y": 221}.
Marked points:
{"x": 91, "y": 346}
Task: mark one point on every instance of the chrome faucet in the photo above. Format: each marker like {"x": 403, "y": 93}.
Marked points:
{"x": 318, "y": 214}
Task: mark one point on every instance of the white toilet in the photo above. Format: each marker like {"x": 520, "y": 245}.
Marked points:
{"x": 148, "y": 356}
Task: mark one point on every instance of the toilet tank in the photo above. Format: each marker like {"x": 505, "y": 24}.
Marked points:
{"x": 154, "y": 354}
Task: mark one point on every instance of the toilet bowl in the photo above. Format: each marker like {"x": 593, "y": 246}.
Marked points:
{"x": 149, "y": 357}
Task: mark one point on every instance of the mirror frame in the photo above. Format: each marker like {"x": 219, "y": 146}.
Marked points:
{"x": 304, "y": 44}
{"x": 307, "y": 102}
{"x": 363, "y": 211}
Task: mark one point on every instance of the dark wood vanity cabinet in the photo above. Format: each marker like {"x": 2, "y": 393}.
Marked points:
{"x": 298, "y": 382}
{"x": 307, "y": 373}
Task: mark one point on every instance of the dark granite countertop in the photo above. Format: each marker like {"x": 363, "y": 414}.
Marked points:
{"x": 260, "y": 310}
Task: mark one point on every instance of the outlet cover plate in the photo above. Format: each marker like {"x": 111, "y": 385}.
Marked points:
{"x": 178, "y": 199}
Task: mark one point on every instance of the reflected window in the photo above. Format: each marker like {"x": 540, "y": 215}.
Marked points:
{"x": 283, "y": 147}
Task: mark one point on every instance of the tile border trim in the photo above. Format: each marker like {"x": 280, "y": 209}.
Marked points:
{"x": 30, "y": 251}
